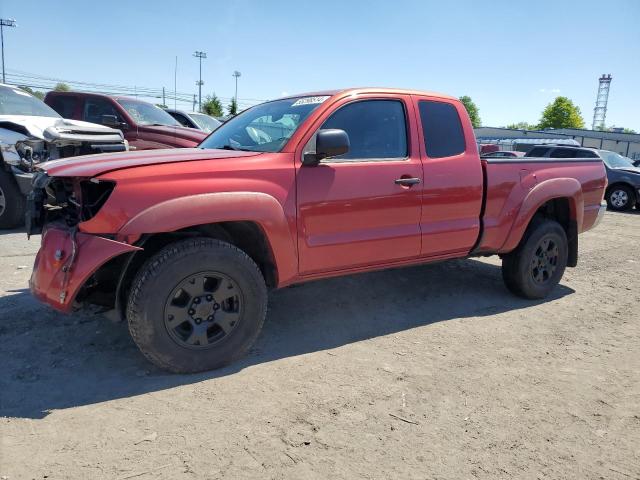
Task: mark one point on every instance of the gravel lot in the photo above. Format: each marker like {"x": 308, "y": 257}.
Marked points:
{"x": 430, "y": 372}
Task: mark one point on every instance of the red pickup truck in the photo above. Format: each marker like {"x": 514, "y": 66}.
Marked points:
{"x": 185, "y": 244}
{"x": 144, "y": 125}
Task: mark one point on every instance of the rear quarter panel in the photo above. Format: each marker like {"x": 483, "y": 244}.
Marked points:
{"x": 517, "y": 188}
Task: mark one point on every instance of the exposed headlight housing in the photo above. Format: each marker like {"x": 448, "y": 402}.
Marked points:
{"x": 32, "y": 152}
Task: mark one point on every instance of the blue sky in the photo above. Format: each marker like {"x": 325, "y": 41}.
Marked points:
{"x": 512, "y": 57}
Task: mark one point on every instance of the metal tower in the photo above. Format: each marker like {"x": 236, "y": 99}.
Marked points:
{"x": 600, "y": 112}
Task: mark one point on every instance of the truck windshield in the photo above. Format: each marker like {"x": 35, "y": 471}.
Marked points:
{"x": 14, "y": 101}
{"x": 613, "y": 160}
{"x": 265, "y": 127}
{"x": 146, "y": 114}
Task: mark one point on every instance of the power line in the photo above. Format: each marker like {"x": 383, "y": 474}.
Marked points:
{"x": 42, "y": 82}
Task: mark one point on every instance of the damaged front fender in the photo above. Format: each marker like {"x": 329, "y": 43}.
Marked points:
{"x": 66, "y": 260}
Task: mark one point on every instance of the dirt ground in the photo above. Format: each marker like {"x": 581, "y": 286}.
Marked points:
{"x": 431, "y": 372}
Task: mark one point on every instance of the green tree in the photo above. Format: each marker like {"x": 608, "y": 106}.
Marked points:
{"x": 35, "y": 93}
{"x": 522, "y": 126}
{"x": 628, "y": 130}
{"x": 61, "y": 87}
{"x": 213, "y": 106}
{"x": 472, "y": 110}
{"x": 233, "y": 107}
{"x": 561, "y": 113}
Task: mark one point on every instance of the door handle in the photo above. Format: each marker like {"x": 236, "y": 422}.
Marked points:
{"x": 407, "y": 181}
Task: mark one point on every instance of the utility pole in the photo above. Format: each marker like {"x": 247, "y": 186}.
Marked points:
{"x": 200, "y": 56}
{"x": 163, "y": 103}
{"x": 237, "y": 75}
{"x": 175, "y": 83}
{"x": 194, "y": 102}
{"x": 5, "y": 22}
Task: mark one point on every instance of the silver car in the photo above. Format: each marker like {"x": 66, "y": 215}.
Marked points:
{"x": 200, "y": 121}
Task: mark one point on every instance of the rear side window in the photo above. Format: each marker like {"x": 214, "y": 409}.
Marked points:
{"x": 537, "y": 152}
{"x": 65, "y": 106}
{"x": 377, "y": 129}
{"x": 563, "y": 153}
{"x": 443, "y": 136}
{"x": 182, "y": 120}
{"x": 587, "y": 154}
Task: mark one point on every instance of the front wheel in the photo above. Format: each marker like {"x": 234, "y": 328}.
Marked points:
{"x": 196, "y": 305}
{"x": 620, "y": 198}
{"x": 536, "y": 266}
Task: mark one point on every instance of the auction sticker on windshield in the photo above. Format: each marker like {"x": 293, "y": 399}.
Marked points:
{"x": 309, "y": 101}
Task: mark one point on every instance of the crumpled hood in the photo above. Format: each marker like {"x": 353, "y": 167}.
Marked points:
{"x": 48, "y": 128}
{"x": 92, "y": 165}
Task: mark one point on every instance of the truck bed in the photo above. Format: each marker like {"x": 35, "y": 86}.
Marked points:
{"x": 510, "y": 182}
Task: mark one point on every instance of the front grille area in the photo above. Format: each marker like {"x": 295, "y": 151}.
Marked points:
{"x": 64, "y": 200}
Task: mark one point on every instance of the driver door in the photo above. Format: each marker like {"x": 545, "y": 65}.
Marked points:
{"x": 362, "y": 208}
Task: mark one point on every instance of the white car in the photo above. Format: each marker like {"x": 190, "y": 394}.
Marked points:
{"x": 31, "y": 132}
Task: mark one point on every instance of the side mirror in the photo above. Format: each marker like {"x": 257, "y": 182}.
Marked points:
{"x": 329, "y": 143}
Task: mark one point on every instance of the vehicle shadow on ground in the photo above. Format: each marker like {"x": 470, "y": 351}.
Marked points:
{"x": 52, "y": 361}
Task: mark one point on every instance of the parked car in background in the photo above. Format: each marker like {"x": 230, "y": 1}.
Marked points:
{"x": 32, "y": 133}
{"x": 485, "y": 148}
{"x": 503, "y": 154}
{"x": 623, "y": 191}
{"x": 144, "y": 125}
{"x": 623, "y": 178}
{"x": 201, "y": 121}
{"x": 186, "y": 244}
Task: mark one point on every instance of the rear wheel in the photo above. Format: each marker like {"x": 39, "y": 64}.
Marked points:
{"x": 620, "y": 198}
{"x": 536, "y": 266}
{"x": 12, "y": 202}
{"x": 197, "y": 305}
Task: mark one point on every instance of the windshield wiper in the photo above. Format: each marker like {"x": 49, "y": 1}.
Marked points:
{"x": 228, "y": 146}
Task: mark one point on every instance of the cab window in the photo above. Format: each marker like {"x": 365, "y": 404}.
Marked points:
{"x": 442, "y": 129}
{"x": 96, "y": 108}
{"x": 376, "y": 128}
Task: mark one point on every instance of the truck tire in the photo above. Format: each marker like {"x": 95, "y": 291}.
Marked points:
{"x": 12, "y": 202}
{"x": 536, "y": 266}
{"x": 620, "y": 198}
{"x": 196, "y": 305}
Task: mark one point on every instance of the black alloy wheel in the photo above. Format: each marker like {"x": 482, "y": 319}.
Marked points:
{"x": 203, "y": 309}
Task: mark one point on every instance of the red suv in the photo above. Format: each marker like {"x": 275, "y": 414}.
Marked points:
{"x": 144, "y": 125}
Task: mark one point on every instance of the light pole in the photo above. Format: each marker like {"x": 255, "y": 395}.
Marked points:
{"x": 237, "y": 75}
{"x": 200, "y": 56}
{"x": 5, "y": 22}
